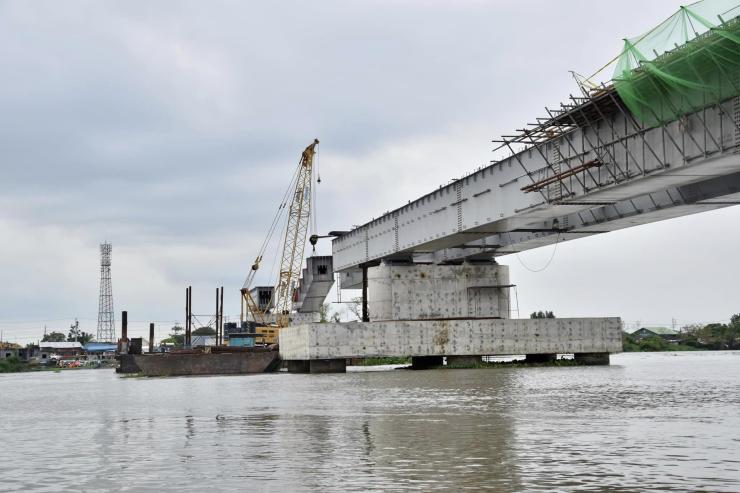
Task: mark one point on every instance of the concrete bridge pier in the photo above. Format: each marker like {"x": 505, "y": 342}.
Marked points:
{"x": 431, "y": 311}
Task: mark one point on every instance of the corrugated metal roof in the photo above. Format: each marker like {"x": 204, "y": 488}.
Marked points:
{"x": 661, "y": 331}
{"x": 100, "y": 347}
{"x": 61, "y": 345}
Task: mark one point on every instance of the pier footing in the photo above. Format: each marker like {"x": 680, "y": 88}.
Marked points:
{"x": 466, "y": 361}
{"x": 328, "y": 345}
{"x": 425, "y": 362}
{"x": 592, "y": 358}
{"x": 317, "y": 366}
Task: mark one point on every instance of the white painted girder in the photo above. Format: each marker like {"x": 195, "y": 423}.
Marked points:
{"x": 637, "y": 163}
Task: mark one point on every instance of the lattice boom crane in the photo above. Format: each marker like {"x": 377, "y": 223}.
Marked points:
{"x": 291, "y": 258}
{"x": 299, "y": 215}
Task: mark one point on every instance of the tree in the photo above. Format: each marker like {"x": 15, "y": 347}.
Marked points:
{"x": 327, "y": 315}
{"x": 654, "y": 343}
{"x": 356, "y": 307}
{"x": 541, "y": 314}
{"x": 77, "y": 335}
{"x": 54, "y": 337}
{"x": 713, "y": 336}
{"x": 204, "y": 331}
{"x": 175, "y": 337}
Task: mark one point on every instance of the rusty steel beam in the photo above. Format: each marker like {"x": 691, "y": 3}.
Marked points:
{"x": 539, "y": 185}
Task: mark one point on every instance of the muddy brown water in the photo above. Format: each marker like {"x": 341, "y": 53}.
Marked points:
{"x": 660, "y": 421}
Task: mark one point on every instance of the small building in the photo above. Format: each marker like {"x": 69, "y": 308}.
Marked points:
{"x": 59, "y": 350}
{"x": 29, "y": 354}
{"x": 663, "y": 332}
{"x": 9, "y": 350}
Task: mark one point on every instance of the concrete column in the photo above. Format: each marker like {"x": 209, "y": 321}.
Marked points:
{"x": 540, "y": 358}
{"x": 592, "y": 358}
{"x": 425, "y": 362}
{"x": 328, "y": 365}
{"x": 467, "y": 361}
{"x": 365, "y": 312}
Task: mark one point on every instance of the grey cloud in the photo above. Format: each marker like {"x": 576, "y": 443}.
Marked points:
{"x": 161, "y": 124}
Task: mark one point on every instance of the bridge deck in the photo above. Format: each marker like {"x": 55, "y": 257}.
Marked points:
{"x": 643, "y": 175}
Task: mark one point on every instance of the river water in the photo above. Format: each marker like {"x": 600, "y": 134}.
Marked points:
{"x": 660, "y": 421}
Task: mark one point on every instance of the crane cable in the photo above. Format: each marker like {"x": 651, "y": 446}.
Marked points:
{"x": 277, "y": 221}
{"x": 312, "y": 216}
{"x": 314, "y": 203}
{"x": 273, "y": 226}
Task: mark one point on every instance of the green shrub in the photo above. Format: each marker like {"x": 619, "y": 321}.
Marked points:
{"x": 11, "y": 365}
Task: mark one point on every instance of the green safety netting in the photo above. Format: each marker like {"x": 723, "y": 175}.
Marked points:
{"x": 688, "y": 62}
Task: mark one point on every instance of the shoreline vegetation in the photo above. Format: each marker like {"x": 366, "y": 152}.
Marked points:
{"x": 710, "y": 337}
{"x": 15, "y": 365}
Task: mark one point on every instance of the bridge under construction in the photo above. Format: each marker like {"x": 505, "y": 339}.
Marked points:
{"x": 660, "y": 140}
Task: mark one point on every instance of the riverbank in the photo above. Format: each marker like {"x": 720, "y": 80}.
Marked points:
{"x": 15, "y": 365}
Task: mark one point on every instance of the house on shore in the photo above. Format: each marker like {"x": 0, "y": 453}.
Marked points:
{"x": 59, "y": 350}
{"x": 669, "y": 335}
{"x": 29, "y": 354}
{"x": 9, "y": 350}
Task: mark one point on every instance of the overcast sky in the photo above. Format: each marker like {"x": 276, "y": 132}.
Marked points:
{"x": 171, "y": 130}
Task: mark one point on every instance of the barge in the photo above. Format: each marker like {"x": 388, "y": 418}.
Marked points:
{"x": 217, "y": 360}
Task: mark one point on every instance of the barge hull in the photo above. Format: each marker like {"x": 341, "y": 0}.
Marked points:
{"x": 173, "y": 364}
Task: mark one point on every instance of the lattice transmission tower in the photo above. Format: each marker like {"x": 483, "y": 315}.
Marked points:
{"x": 106, "y": 321}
